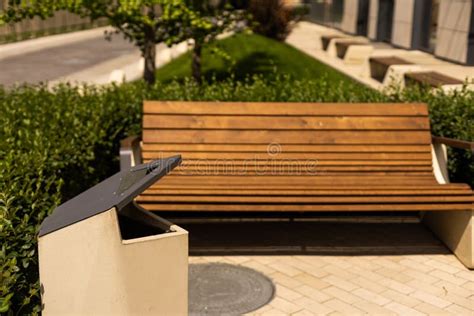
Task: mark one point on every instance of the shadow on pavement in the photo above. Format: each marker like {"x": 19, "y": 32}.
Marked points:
{"x": 312, "y": 237}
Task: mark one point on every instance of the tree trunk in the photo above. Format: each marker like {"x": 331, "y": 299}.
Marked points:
{"x": 149, "y": 54}
{"x": 196, "y": 66}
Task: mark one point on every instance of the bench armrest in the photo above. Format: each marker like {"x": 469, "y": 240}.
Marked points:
{"x": 130, "y": 152}
{"x": 461, "y": 144}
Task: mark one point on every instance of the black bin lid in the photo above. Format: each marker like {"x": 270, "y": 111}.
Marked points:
{"x": 116, "y": 191}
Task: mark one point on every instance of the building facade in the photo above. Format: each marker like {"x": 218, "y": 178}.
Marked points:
{"x": 444, "y": 28}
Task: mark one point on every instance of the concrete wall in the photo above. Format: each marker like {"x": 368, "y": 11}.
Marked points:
{"x": 349, "y": 19}
{"x": 456, "y": 230}
{"x": 373, "y": 16}
{"x": 403, "y": 23}
{"x": 88, "y": 269}
{"x": 453, "y": 29}
{"x": 403, "y": 13}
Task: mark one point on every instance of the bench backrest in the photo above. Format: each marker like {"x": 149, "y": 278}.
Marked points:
{"x": 354, "y": 137}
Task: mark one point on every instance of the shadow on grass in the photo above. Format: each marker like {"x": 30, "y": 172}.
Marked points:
{"x": 258, "y": 63}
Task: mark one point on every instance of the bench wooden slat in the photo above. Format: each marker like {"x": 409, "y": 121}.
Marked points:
{"x": 431, "y": 78}
{"x": 327, "y": 182}
{"x": 297, "y": 173}
{"x": 389, "y": 60}
{"x": 284, "y": 123}
{"x": 257, "y": 191}
{"x": 285, "y": 148}
{"x": 294, "y": 156}
{"x": 303, "y": 199}
{"x": 342, "y": 187}
{"x": 285, "y": 137}
{"x": 281, "y": 108}
{"x": 302, "y": 180}
{"x": 320, "y": 162}
{"x": 365, "y": 168}
{"x": 375, "y": 207}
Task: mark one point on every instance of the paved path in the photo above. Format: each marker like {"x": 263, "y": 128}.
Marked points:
{"x": 306, "y": 37}
{"x": 60, "y": 61}
{"x": 342, "y": 268}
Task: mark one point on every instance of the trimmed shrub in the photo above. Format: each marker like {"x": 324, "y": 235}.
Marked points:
{"x": 452, "y": 115}
{"x": 55, "y": 144}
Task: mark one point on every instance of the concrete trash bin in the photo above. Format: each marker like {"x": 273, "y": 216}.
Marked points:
{"x": 101, "y": 254}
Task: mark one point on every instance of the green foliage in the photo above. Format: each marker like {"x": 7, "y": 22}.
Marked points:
{"x": 452, "y": 115}
{"x": 272, "y": 18}
{"x": 131, "y": 17}
{"x": 207, "y": 19}
{"x": 55, "y": 144}
{"x": 143, "y": 22}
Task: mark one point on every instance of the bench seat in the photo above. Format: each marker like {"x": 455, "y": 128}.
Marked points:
{"x": 431, "y": 78}
{"x": 343, "y": 46}
{"x": 326, "y": 39}
{"x": 255, "y": 194}
{"x": 295, "y": 157}
{"x": 379, "y": 65}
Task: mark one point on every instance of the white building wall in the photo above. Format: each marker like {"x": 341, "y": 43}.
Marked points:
{"x": 453, "y": 29}
{"x": 402, "y": 30}
{"x": 349, "y": 18}
{"x": 373, "y": 16}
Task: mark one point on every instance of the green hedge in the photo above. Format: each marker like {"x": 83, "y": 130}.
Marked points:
{"x": 452, "y": 115}
{"x": 55, "y": 144}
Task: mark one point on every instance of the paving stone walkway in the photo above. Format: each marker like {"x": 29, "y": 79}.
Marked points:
{"x": 396, "y": 282}
{"x": 353, "y": 285}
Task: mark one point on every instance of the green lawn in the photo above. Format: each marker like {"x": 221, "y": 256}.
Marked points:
{"x": 250, "y": 54}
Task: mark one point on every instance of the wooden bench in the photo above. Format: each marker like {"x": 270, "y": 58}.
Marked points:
{"x": 353, "y": 52}
{"x": 430, "y": 78}
{"x": 293, "y": 157}
{"x": 343, "y": 46}
{"x": 326, "y": 39}
{"x": 379, "y": 66}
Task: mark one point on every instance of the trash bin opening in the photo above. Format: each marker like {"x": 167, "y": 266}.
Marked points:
{"x": 131, "y": 229}
{"x": 135, "y": 222}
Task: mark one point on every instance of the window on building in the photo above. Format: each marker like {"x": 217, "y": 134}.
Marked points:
{"x": 385, "y": 20}
{"x": 327, "y": 12}
{"x": 363, "y": 18}
{"x": 430, "y": 25}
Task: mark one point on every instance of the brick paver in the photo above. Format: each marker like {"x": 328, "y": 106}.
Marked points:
{"x": 302, "y": 289}
{"x": 342, "y": 267}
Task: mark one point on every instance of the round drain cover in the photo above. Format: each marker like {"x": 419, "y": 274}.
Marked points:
{"x": 225, "y": 289}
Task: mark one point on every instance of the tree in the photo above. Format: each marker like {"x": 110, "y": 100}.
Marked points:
{"x": 272, "y": 18}
{"x": 143, "y": 22}
{"x": 209, "y": 19}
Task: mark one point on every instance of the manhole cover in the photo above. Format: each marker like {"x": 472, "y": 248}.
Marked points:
{"x": 224, "y": 289}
